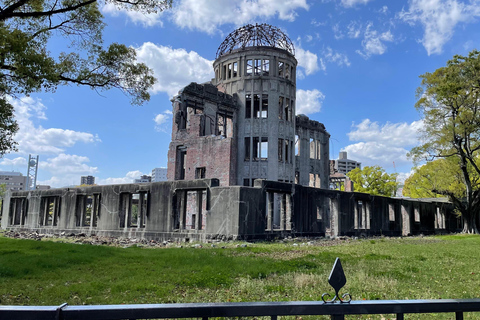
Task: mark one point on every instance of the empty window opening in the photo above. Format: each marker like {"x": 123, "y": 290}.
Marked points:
{"x": 391, "y": 212}
{"x": 287, "y": 151}
{"x": 190, "y": 210}
{"x": 247, "y": 149}
{"x": 264, "y": 148}
{"x": 249, "y": 67}
{"x": 18, "y": 211}
{"x": 264, "y": 112}
{"x": 248, "y": 106}
{"x": 287, "y": 110}
{"x": 224, "y": 72}
{"x": 246, "y": 182}
{"x": 312, "y": 148}
{"x": 200, "y": 173}
{"x": 229, "y": 71}
{"x": 256, "y": 148}
{"x": 278, "y": 211}
{"x": 287, "y": 71}
{"x": 280, "y": 150}
{"x": 181, "y": 163}
{"x": 281, "y": 69}
{"x": 280, "y": 108}
{"x": 258, "y": 67}
{"x": 224, "y": 126}
{"x": 256, "y": 106}
{"x": 235, "y": 69}
{"x": 416, "y": 214}
{"x": 50, "y": 211}
{"x": 266, "y": 67}
{"x": 297, "y": 145}
{"x": 133, "y": 209}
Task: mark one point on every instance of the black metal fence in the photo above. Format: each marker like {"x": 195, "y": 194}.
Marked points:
{"x": 273, "y": 310}
{"x": 337, "y": 308}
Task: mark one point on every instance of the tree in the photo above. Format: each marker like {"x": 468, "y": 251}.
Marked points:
{"x": 26, "y": 64}
{"x": 434, "y": 179}
{"x": 448, "y": 100}
{"x": 374, "y": 180}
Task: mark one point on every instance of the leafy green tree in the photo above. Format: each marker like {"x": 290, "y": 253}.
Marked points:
{"x": 449, "y": 101}
{"x": 27, "y": 65}
{"x": 435, "y": 179}
{"x": 374, "y": 180}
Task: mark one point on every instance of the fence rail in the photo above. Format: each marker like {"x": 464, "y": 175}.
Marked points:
{"x": 240, "y": 309}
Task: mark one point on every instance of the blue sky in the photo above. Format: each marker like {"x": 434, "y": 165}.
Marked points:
{"x": 359, "y": 66}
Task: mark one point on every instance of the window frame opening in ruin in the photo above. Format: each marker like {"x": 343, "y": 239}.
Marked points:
{"x": 247, "y": 149}
{"x": 287, "y": 110}
{"x": 200, "y": 172}
{"x": 180, "y": 163}
{"x": 229, "y": 70}
{"x": 257, "y": 107}
{"x": 297, "y": 145}
{"x": 359, "y": 215}
{"x": 280, "y": 149}
{"x": 265, "y": 67}
{"x": 264, "y": 106}
{"x": 224, "y": 73}
{"x": 248, "y": 106}
{"x": 235, "y": 69}
{"x": 249, "y": 67}
{"x": 87, "y": 210}
{"x": 263, "y": 148}
{"x": 416, "y": 214}
{"x": 193, "y": 109}
{"x": 314, "y": 180}
{"x": 287, "y": 151}
{"x": 280, "y": 107}
{"x": 18, "y": 211}
{"x": 50, "y": 210}
{"x": 257, "y": 67}
{"x": 281, "y": 68}
{"x": 134, "y": 209}
{"x": 279, "y": 211}
{"x": 287, "y": 73}
{"x": 297, "y": 177}
{"x": 183, "y": 218}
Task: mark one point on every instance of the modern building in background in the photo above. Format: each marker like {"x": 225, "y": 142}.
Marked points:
{"x": 159, "y": 174}
{"x": 88, "y": 180}
{"x": 143, "y": 179}
{"x": 242, "y": 125}
{"x": 14, "y": 181}
{"x": 345, "y": 165}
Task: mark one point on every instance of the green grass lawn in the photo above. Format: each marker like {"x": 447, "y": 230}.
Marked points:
{"x": 50, "y": 273}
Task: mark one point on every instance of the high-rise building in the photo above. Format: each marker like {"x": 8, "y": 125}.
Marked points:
{"x": 159, "y": 174}
{"x": 88, "y": 180}
{"x": 345, "y": 165}
{"x": 242, "y": 125}
{"x": 143, "y": 179}
{"x": 13, "y": 180}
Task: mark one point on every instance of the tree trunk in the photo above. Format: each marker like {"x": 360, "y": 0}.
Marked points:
{"x": 469, "y": 224}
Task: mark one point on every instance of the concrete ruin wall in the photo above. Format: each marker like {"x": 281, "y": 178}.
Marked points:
{"x": 202, "y": 210}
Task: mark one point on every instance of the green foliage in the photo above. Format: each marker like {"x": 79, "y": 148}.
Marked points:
{"x": 435, "y": 179}
{"x": 374, "y": 180}
{"x": 449, "y": 101}
{"x": 26, "y": 64}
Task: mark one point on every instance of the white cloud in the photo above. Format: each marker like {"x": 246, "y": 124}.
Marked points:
{"x": 306, "y": 60}
{"x": 128, "y": 178}
{"x": 374, "y": 42}
{"x": 354, "y": 29}
{"x": 174, "y": 68}
{"x": 351, "y": 3}
{"x": 207, "y": 15}
{"x": 382, "y": 144}
{"x": 32, "y": 139}
{"x": 439, "y": 18}
{"x": 146, "y": 19}
{"x": 15, "y": 164}
{"x": 162, "y": 120}
{"x": 309, "y": 101}
{"x": 337, "y": 32}
{"x": 66, "y": 170}
{"x": 335, "y": 57}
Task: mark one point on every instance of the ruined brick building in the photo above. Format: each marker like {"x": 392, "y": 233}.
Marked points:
{"x": 241, "y": 165}
{"x": 242, "y": 126}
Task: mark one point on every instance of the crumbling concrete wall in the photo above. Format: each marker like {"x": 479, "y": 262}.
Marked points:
{"x": 202, "y": 209}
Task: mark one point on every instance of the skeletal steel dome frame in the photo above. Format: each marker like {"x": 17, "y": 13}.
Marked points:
{"x": 256, "y": 35}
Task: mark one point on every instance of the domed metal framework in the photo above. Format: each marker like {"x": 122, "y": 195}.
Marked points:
{"x": 256, "y": 35}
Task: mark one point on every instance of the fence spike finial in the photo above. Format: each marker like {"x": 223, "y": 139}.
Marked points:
{"x": 337, "y": 280}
